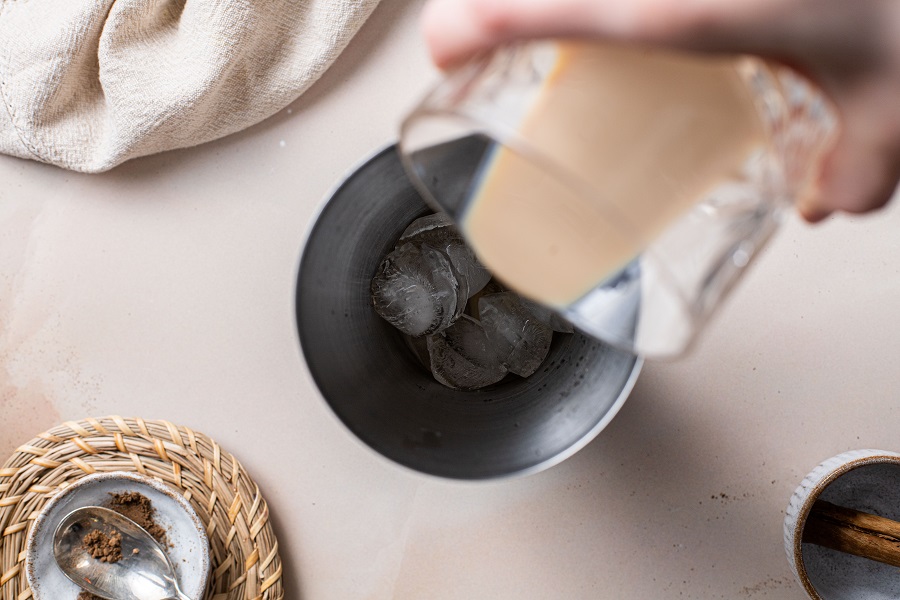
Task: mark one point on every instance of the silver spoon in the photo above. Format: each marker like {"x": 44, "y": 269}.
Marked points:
{"x": 147, "y": 574}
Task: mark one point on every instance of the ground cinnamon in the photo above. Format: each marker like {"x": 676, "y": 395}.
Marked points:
{"x": 105, "y": 547}
{"x": 138, "y": 508}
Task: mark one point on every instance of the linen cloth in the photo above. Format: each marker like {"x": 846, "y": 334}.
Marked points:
{"x": 88, "y": 84}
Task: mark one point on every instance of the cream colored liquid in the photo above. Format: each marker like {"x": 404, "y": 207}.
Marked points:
{"x": 645, "y": 136}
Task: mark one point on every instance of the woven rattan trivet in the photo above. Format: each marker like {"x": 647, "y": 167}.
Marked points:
{"x": 243, "y": 549}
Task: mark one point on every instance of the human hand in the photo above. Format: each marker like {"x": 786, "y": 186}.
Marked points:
{"x": 851, "y": 49}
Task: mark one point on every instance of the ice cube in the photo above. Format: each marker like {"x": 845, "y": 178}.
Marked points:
{"x": 438, "y": 231}
{"x": 462, "y": 357}
{"x": 416, "y": 291}
{"x": 520, "y": 340}
{"x": 493, "y": 287}
{"x": 547, "y": 316}
{"x": 426, "y": 224}
{"x": 419, "y": 347}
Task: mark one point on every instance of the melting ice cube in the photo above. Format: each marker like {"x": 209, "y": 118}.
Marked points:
{"x": 416, "y": 291}
{"x": 463, "y": 358}
{"x": 437, "y": 231}
{"x": 520, "y": 340}
{"x": 547, "y": 316}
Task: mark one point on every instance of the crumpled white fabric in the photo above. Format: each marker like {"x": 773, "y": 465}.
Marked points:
{"x": 88, "y": 84}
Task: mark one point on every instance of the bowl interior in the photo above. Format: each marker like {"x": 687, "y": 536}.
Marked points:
{"x": 379, "y": 390}
{"x": 872, "y": 488}
{"x": 188, "y": 550}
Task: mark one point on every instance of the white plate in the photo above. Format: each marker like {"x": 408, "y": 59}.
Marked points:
{"x": 189, "y": 551}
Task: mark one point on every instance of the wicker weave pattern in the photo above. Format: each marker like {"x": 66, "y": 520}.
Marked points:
{"x": 243, "y": 548}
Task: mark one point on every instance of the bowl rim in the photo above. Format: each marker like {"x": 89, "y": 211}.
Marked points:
{"x": 577, "y": 445}
{"x": 40, "y": 521}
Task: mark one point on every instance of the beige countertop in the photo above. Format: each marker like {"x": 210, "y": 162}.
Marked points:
{"x": 164, "y": 289}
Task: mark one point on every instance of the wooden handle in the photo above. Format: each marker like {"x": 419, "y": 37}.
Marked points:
{"x": 853, "y": 532}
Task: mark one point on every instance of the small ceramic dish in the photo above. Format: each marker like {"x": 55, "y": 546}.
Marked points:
{"x": 188, "y": 545}
{"x": 864, "y": 480}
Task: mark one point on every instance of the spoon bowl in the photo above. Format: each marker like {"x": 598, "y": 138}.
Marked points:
{"x": 143, "y": 573}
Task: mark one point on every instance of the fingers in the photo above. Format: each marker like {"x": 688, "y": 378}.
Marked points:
{"x": 458, "y": 29}
{"x": 455, "y": 30}
{"x": 812, "y": 212}
{"x": 863, "y": 170}
{"x": 859, "y": 176}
